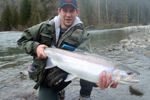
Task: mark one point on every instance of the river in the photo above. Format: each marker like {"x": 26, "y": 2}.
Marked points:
{"x": 15, "y": 86}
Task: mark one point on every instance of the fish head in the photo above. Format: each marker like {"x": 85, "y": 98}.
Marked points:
{"x": 123, "y": 74}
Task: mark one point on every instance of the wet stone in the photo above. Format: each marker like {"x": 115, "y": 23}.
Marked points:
{"x": 136, "y": 90}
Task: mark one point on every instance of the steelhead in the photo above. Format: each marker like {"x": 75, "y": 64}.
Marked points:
{"x": 89, "y": 66}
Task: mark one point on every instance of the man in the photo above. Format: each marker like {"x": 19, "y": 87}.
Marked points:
{"x": 66, "y": 28}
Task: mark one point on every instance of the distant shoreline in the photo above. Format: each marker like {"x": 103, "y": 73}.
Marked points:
{"x": 94, "y": 27}
{"x": 113, "y": 26}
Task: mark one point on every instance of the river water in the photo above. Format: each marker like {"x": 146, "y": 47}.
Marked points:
{"x": 16, "y": 86}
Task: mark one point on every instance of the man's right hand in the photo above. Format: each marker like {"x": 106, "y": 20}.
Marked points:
{"x": 40, "y": 51}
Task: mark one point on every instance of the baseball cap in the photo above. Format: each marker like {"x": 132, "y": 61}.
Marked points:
{"x": 70, "y": 2}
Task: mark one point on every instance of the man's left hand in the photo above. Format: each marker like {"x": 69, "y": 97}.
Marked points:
{"x": 105, "y": 81}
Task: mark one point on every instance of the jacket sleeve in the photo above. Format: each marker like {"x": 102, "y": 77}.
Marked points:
{"x": 29, "y": 39}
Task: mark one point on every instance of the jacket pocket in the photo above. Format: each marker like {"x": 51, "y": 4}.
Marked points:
{"x": 37, "y": 74}
{"x": 74, "y": 39}
{"x": 45, "y": 39}
{"x": 34, "y": 75}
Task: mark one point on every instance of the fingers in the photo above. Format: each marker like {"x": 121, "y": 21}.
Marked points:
{"x": 108, "y": 80}
{"x": 105, "y": 81}
{"x": 40, "y": 51}
{"x": 102, "y": 81}
{"x": 115, "y": 84}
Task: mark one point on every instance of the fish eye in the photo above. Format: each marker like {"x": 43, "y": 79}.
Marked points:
{"x": 129, "y": 73}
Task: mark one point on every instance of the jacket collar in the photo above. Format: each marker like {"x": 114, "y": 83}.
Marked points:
{"x": 57, "y": 21}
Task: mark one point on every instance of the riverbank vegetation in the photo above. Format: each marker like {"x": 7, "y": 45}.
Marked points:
{"x": 21, "y": 14}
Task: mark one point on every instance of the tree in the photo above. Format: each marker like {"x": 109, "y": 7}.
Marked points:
{"x": 0, "y": 25}
{"x": 106, "y": 12}
{"x": 6, "y": 19}
{"x": 25, "y": 11}
{"x": 92, "y": 12}
{"x": 138, "y": 14}
{"x": 87, "y": 12}
{"x": 98, "y": 10}
{"x": 148, "y": 12}
{"x": 34, "y": 18}
{"x": 15, "y": 17}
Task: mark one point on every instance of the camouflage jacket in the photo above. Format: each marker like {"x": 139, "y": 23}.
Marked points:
{"x": 47, "y": 33}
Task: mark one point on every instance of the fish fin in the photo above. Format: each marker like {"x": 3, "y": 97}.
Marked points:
{"x": 49, "y": 64}
{"x": 70, "y": 77}
{"x": 86, "y": 52}
{"x": 53, "y": 46}
{"x": 79, "y": 51}
{"x": 122, "y": 83}
{"x": 109, "y": 85}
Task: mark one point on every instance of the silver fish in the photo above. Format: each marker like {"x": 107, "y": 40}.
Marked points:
{"x": 89, "y": 66}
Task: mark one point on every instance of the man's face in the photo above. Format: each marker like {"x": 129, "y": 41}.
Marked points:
{"x": 68, "y": 15}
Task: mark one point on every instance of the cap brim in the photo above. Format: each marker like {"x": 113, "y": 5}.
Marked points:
{"x": 68, "y": 4}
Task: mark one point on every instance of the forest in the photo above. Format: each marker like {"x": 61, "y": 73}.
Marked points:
{"x": 97, "y": 13}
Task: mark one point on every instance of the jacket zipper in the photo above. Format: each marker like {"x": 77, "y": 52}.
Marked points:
{"x": 64, "y": 36}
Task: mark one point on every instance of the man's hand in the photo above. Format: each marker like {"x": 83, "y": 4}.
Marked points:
{"x": 105, "y": 81}
{"x": 40, "y": 51}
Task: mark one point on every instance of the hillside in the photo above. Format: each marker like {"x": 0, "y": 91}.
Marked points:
{"x": 99, "y": 13}
{"x": 3, "y": 3}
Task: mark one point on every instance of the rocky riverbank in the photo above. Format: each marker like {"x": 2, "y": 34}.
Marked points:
{"x": 139, "y": 43}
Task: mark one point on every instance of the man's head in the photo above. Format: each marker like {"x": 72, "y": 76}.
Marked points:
{"x": 68, "y": 11}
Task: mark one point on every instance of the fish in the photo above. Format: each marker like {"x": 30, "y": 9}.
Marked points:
{"x": 89, "y": 66}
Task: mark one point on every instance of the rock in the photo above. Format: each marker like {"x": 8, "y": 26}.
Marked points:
{"x": 24, "y": 73}
{"x": 148, "y": 48}
{"x": 137, "y": 42}
{"x": 124, "y": 41}
{"x": 136, "y": 90}
{"x": 130, "y": 49}
{"x": 114, "y": 47}
{"x": 143, "y": 46}
{"x": 147, "y": 40}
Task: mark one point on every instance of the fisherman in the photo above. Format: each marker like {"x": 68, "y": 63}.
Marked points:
{"x": 64, "y": 29}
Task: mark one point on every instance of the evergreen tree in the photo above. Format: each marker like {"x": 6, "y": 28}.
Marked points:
{"x": 124, "y": 12}
{"x": 34, "y": 12}
{"x": 87, "y": 12}
{"x": 36, "y": 19}
{"x": 42, "y": 1}
{"x": 15, "y": 17}
{"x": 25, "y": 11}
{"x": 92, "y": 12}
{"x": 6, "y": 19}
{"x": 0, "y": 26}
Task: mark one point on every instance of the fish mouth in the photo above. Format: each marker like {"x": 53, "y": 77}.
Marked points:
{"x": 131, "y": 80}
